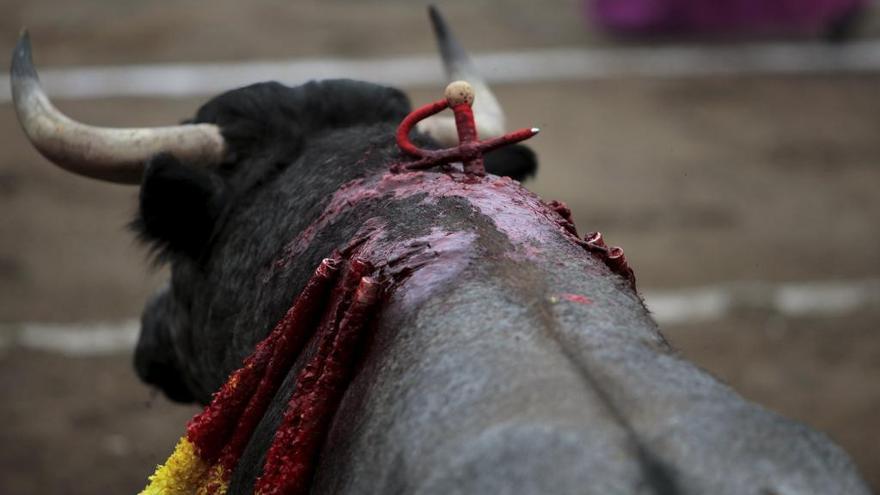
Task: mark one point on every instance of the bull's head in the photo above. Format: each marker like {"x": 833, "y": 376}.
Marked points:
{"x": 209, "y": 172}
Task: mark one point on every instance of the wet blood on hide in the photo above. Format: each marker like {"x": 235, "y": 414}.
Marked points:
{"x": 527, "y": 221}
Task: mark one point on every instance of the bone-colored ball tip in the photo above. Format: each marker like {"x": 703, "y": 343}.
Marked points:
{"x": 459, "y": 92}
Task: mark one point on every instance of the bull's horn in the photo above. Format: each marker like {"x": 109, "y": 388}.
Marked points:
{"x": 487, "y": 112}
{"x": 116, "y": 155}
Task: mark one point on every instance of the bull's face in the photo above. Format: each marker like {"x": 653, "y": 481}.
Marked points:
{"x": 223, "y": 195}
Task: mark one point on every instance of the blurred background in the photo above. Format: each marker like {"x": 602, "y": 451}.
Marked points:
{"x": 733, "y": 152}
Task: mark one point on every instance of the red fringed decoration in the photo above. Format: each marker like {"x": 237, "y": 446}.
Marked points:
{"x": 287, "y": 346}
{"x": 243, "y": 398}
{"x": 291, "y": 459}
{"x": 207, "y": 455}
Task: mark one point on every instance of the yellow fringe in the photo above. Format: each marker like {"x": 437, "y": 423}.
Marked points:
{"x": 182, "y": 473}
{"x": 215, "y": 482}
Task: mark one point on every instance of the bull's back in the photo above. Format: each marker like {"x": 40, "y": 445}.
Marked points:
{"x": 509, "y": 360}
{"x": 486, "y": 390}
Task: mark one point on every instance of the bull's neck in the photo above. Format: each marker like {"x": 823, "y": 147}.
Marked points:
{"x": 471, "y": 242}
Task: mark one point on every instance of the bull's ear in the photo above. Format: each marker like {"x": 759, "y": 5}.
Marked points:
{"x": 517, "y": 162}
{"x": 180, "y": 206}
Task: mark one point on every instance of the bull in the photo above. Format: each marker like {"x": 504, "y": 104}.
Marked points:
{"x": 501, "y": 357}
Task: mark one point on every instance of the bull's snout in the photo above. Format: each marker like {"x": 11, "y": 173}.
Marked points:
{"x": 154, "y": 358}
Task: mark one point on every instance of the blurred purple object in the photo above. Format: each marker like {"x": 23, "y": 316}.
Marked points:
{"x": 723, "y": 17}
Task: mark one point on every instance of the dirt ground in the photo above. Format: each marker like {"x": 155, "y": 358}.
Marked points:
{"x": 702, "y": 181}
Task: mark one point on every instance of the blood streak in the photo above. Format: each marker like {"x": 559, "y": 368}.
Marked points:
{"x": 576, "y": 298}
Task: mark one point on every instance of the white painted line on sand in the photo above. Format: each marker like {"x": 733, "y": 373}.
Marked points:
{"x": 72, "y": 339}
{"x": 808, "y": 299}
{"x": 554, "y": 64}
{"x": 669, "y": 307}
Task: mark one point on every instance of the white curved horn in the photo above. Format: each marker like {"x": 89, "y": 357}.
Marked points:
{"x": 115, "y": 155}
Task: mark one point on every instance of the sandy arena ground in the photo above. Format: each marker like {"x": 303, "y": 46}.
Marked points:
{"x": 702, "y": 181}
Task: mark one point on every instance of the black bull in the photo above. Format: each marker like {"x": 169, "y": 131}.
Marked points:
{"x": 505, "y": 358}
{"x": 478, "y": 377}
